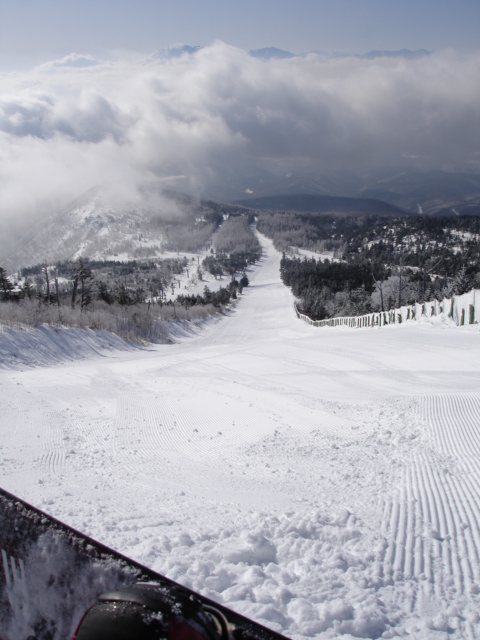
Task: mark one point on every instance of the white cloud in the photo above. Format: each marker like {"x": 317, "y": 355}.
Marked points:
{"x": 73, "y": 60}
{"x": 212, "y": 116}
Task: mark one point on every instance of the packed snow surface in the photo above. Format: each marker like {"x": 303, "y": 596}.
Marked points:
{"x": 322, "y": 481}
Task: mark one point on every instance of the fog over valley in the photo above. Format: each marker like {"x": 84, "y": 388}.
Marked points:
{"x": 224, "y": 124}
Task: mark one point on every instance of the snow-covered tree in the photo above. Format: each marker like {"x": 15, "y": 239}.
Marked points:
{"x": 5, "y": 285}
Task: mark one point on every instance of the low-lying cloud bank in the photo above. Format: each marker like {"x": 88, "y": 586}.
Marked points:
{"x": 206, "y": 119}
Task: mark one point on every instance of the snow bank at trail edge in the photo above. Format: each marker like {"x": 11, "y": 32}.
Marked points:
{"x": 48, "y": 345}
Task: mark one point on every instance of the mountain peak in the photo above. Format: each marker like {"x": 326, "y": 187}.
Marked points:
{"x": 269, "y": 53}
{"x": 176, "y": 51}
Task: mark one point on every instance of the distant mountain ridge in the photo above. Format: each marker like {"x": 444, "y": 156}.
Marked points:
{"x": 269, "y": 53}
{"x": 274, "y": 53}
{"x": 311, "y": 203}
{"x": 414, "y": 191}
{"x": 428, "y": 192}
{"x": 402, "y": 53}
{"x": 176, "y": 51}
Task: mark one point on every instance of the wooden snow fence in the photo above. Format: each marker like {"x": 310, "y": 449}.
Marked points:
{"x": 463, "y": 309}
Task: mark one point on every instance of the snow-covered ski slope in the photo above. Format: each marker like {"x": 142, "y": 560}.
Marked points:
{"x": 324, "y": 482}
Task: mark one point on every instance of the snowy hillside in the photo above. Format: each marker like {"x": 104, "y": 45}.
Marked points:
{"x": 322, "y": 481}
{"x": 97, "y": 228}
{"x": 89, "y": 228}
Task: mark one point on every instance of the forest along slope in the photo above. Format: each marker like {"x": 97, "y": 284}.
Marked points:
{"x": 323, "y": 481}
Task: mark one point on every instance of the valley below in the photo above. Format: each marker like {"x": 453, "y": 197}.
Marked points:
{"x": 322, "y": 481}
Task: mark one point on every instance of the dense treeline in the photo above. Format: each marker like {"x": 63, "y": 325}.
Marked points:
{"x": 222, "y": 263}
{"x": 327, "y": 289}
{"x": 236, "y": 247}
{"x": 221, "y": 296}
{"x": 332, "y": 288}
{"x": 85, "y": 300}
{"x": 84, "y": 280}
{"x": 135, "y": 322}
{"x": 338, "y": 276}
{"x": 379, "y": 262}
{"x": 317, "y": 233}
{"x": 235, "y": 236}
{"x": 190, "y": 239}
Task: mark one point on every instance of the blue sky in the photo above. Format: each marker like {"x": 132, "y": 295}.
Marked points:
{"x": 32, "y": 31}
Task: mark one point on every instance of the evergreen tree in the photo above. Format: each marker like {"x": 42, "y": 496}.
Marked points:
{"x": 82, "y": 274}
{"x": 5, "y": 285}
{"x": 244, "y": 280}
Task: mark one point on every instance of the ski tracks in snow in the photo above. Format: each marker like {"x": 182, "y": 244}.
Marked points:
{"x": 431, "y": 522}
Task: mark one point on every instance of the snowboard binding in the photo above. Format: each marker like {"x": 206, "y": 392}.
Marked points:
{"x": 147, "y": 610}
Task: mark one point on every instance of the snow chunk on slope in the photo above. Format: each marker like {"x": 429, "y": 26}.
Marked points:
{"x": 256, "y": 549}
